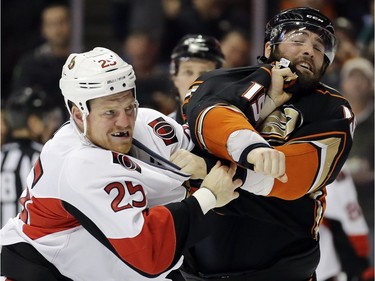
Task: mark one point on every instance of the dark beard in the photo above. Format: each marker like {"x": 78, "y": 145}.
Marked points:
{"x": 305, "y": 83}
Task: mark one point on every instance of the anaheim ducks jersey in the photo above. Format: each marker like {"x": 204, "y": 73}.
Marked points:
{"x": 86, "y": 210}
{"x": 313, "y": 129}
{"x": 264, "y": 237}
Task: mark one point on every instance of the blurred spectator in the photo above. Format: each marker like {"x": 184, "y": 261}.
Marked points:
{"x": 127, "y": 16}
{"x": 20, "y": 32}
{"x": 194, "y": 55}
{"x": 31, "y": 122}
{"x": 353, "y": 10}
{"x": 169, "y": 20}
{"x": 42, "y": 67}
{"x": 209, "y": 17}
{"x": 327, "y": 7}
{"x": 216, "y": 17}
{"x": 236, "y": 48}
{"x": 176, "y": 18}
{"x": 365, "y": 39}
{"x": 151, "y": 16}
{"x": 344, "y": 234}
{"x": 357, "y": 85}
{"x": 4, "y": 127}
{"x": 141, "y": 50}
{"x": 346, "y": 49}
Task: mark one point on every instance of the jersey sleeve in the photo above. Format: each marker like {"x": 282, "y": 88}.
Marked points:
{"x": 215, "y": 140}
{"x": 317, "y": 151}
{"x": 314, "y": 156}
{"x": 223, "y": 102}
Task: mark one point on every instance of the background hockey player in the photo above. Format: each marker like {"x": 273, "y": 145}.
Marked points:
{"x": 194, "y": 55}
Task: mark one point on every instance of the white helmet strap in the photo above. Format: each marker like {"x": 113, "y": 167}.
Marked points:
{"x": 82, "y": 135}
{"x": 84, "y": 120}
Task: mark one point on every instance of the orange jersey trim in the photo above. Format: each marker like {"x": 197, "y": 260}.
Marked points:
{"x": 217, "y": 126}
{"x": 267, "y": 70}
{"x": 327, "y": 92}
{"x": 302, "y": 161}
{"x": 302, "y": 169}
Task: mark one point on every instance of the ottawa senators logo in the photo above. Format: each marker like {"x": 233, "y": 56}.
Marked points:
{"x": 72, "y": 62}
{"x": 164, "y": 130}
{"x": 125, "y": 161}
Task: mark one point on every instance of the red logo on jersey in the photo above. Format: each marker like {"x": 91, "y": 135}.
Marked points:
{"x": 164, "y": 130}
{"x": 125, "y": 161}
{"x": 38, "y": 172}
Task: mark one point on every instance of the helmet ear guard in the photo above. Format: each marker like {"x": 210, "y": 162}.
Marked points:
{"x": 94, "y": 74}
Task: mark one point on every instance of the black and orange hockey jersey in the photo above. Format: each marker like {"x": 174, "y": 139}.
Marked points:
{"x": 256, "y": 234}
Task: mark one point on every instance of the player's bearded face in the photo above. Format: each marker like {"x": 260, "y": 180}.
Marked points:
{"x": 306, "y": 59}
{"x": 111, "y": 121}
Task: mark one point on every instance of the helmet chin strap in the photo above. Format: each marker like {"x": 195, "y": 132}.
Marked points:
{"x": 82, "y": 135}
{"x": 84, "y": 120}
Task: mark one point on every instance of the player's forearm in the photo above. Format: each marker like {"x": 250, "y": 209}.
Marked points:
{"x": 234, "y": 136}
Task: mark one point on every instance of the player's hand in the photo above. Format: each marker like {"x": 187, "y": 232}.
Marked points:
{"x": 190, "y": 163}
{"x": 276, "y": 91}
{"x": 220, "y": 181}
{"x": 268, "y": 161}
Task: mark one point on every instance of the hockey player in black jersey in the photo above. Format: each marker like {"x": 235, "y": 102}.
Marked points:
{"x": 271, "y": 232}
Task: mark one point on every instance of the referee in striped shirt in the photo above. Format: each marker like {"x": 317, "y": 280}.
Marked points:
{"x": 31, "y": 122}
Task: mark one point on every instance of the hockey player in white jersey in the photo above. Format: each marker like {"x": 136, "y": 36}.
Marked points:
{"x": 344, "y": 234}
{"x": 87, "y": 209}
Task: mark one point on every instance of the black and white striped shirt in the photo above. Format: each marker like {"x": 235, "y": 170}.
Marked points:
{"x": 17, "y": 158}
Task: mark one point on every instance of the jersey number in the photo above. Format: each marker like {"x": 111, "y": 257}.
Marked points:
{"x": 121, "y": 192}
{"x": 107, "y": 63}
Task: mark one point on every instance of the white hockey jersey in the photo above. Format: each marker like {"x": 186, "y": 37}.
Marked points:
{"x": 86, "y": 210}
{"x": 342, "y": 205}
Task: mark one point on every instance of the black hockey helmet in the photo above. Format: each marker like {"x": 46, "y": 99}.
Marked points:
{"x": 302, "y": 18}
{"x": 26, "y": 102}
{"x": 196, "y": 46}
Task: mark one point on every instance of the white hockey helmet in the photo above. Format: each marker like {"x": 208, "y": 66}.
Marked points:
{"x": 94, "y": 74}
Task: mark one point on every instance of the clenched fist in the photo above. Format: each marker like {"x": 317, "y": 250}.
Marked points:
{"x": 268, "y": 161}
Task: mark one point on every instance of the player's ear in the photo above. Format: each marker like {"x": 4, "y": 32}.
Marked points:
{"x": 267, "y": 49}
{"x": 77, "y": 116}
